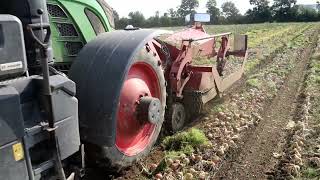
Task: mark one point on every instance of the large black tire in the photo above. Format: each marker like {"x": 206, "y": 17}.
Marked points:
{"x": 113, "y": 154}
{"x": 100, "y": 72}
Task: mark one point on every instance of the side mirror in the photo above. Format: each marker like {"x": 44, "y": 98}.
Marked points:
{"x": 202, "y": 17}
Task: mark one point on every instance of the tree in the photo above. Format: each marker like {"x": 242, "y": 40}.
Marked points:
{"x": 284, "y": 10}
{"x": 285, "y": 4}
{"x": 154, "y": 21}
{"x": 165, "y": 20}
{"x": 305, "y": 14}
{"x": 176, "y": 20}
{"x": 116, "y": 15}
{"x": 122, "y": 23}
{"x": 213, "y": 11}
{"x": 116, "y": 19}
{"x": 136, "y": 19}
{"x": 261, "y": 11}
{"x": 259, "y": 3}
{"x": 173, "y": 13}
{"x": 230, "y": 12}
{"x": 187, "y": 7}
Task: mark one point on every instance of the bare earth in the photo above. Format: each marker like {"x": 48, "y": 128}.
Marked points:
{"x": 256, "y": 157}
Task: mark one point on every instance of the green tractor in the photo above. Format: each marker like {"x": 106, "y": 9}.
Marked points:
{"x": 64, "y": 92}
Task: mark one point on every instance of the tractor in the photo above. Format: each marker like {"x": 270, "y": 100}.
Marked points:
{"x": 74, "y": 90}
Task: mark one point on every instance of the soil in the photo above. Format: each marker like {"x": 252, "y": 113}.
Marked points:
{"x": 256, "y": 157}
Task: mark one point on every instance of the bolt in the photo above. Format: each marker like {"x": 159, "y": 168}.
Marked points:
{"x": 148, "y": 48}
{"x": 40, "y": 12}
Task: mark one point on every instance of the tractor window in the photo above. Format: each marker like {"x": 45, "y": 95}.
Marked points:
{"x": 95, "y": 21}
{"x": 108, "y": 11}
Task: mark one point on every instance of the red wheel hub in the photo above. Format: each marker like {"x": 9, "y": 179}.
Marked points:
{"x": 133, "y": 134}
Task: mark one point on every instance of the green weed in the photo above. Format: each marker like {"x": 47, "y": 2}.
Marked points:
{"x": 272, "y": 86}
{"x": 254, "y": 83}
{"x": 311, "y": 173}
{"x": 250, "y": 65}
{"x": 185, "y": 142}
{"x": 218, "y": 108}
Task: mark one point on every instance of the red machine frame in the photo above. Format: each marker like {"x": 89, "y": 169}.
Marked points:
{"x": 183, "y": 76}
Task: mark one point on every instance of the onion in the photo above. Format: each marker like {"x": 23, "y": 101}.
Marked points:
{"x": 193, "y": 157}
{"x": 159, "y": 176}
{"x": 182, "y": 156}
{"x": 242, "y": 122}
{"x": 215, "y": 159}
{"x": 220, "y": 151}
{"x": 221, "y": 114}
{"x": 188, "y": 176}
{"x": 153, "y": 167}
{"x": 225, "y": 146}
{"x": 235, "y": 138}
{"x": 175, "y": 166}
{"x": 292, "y": 169}
{"x": 232, "y": 143}
{"x": 198, "y": 158}
{"x": 202, "y": 175}
{"x": 180, "y": 174}
{"x": 177, "y": 161}
{"x": 186, "y": 161}
{"x": 242, "y": 115}
{"x": 169, "y": 162}
{"x": 297, "y": 160}
{"x": 300, "y": 143}
{"x": 193, "y": 171}
{"x": 250, "y": 124}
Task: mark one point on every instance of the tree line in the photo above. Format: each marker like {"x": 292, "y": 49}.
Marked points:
{"x": 228, "y": 13}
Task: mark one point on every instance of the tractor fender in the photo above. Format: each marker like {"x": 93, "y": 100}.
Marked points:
{"x": 99, "y": 73}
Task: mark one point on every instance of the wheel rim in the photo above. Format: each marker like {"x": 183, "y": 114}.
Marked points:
{"x": 178, "y": 117}
{"x": 133, "y": 134}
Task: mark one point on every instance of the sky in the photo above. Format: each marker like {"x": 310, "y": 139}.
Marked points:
{"x": 149, "y": 7}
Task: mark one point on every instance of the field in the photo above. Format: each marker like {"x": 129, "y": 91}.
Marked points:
{"x": 267, "y": 126}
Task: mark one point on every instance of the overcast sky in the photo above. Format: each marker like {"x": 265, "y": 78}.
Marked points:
{"x": 149, "y": 7}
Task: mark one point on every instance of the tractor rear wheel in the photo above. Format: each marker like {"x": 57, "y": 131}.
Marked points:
{"x": 122, "y": 97}
{"x": 140, "y": 113}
